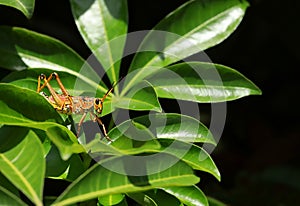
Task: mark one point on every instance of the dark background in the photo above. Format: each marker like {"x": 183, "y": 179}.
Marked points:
{"x": 258, "y": 154}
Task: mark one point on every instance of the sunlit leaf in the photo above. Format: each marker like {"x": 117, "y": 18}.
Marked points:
{"x": 202, "y": 82}
{"x": 25, "y": 6}
{"x": 141, "y": 97}
{"x": 26, "y": 170}
{"x": 190, "y": 195}
{"x": 24, "y": 49}
{"x": 103, "y": 26}
{"x": 172, "y": 126}
{"x": 193, "y": 27}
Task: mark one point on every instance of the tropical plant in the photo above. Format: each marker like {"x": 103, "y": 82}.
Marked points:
{"x": 153, "y": 156}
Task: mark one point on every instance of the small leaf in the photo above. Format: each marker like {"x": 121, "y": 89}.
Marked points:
{"x": 190, "y": 195}
{"x": 192, "y": 28}
{"x": 99, "y": 181}
{"x": 202, "y": 82}
{"x": 25, "y": 6}
{"x": 141, "y": 97}
{"x": 103, "y": 26}
{"x": 26, "y": 170}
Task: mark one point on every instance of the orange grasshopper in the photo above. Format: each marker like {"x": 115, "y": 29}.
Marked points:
{"x": 67, "y": 104}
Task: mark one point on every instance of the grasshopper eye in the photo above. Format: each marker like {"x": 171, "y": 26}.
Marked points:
{"x": 97, "y": 101}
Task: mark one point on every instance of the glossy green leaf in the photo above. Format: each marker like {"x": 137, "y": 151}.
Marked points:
{"x": 111, "y": 199}
{"x": 133, "y": 138}
{"x": 103, "y": 25}
{"x": 202, "y": 82}
{"x": 141, "y": 97}
{"x": 191, "y": 154}
{"x": 25, "y": 6}
{"x": 175, "y": 126}
{"x": 142, "y": 199}
{"x": 28, "y": 78}
{"x": 99, "y": 181}
{"x": 154, "y": 198}
{"x": 26, "y": 170}
{"x": 193, "y": 27}
{"x": 129, "y": 139}
{"x": 190, "y": 195}
{"x": 23, "y": 49}
{"x": 33, "y": 111}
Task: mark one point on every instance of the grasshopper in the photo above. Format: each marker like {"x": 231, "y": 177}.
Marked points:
{"x": 67, "y": 104}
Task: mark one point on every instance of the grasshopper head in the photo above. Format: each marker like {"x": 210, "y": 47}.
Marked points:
{"x": 98, "y": 105}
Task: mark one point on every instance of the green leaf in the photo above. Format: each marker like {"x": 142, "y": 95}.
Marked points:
{"x": 111, "y": 199}
{"x": 190, "y": 195}
{"x": 23, "y": 49}
{"x": 55, "y": 166}
{"x": 33, "y": 111}
{"x": 202, "y": 82}
{"x": 28, "y": 78}
{"x": 25, "y": 6}
{"x": 8, "y": 198}
{"x": 192, "y": 28}
{"x": 142, "y": 199}
{"x": 99, "y": 181}
{"x": 128, "y": 139}
{"x": 176, "y": 126}
{"x": 6, "y": 132}
{"x": 141, "y": 97}
{"x": 103, "y": 26}
{"x": 191, "y": 154}
{"x": 25, "y": 167}
{"x": 132, "y": 138}
{"x": 9, "y": 194}
{"x": 215, "y": 202}
{"x": 154, "y": 198}
{"x": 21, "y": 104}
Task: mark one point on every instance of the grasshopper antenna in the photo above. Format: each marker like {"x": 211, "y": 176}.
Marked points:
{"x": 111, "y": 89}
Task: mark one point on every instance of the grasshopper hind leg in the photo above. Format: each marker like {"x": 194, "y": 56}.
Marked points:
{"x": 99, "y": 121}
